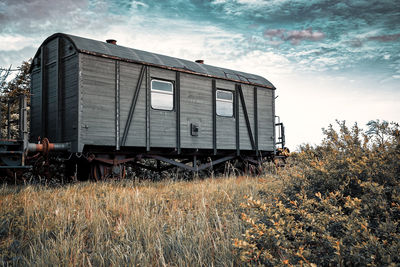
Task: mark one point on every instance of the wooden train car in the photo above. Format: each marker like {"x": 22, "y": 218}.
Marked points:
{"x": 110, "y": 100}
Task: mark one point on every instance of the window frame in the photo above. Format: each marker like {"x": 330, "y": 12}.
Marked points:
{"x": 225, "y": 100}
{"x": 162, "y": 92}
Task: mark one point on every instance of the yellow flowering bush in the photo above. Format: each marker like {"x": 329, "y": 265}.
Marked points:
{"x": 340, "y": 204}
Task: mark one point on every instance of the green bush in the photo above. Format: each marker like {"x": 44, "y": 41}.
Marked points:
{"x": 340, "y": 204}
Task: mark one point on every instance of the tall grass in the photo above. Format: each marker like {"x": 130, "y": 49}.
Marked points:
{"x": 126, "y": 223}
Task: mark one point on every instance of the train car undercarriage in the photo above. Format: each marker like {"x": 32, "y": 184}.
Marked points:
{"x": 46, "y": 159}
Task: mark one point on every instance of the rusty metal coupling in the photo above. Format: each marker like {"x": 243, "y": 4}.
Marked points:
{"x": 45, "y": 147}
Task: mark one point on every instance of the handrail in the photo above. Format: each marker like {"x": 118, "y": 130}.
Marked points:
{"x": 7, "y": 103}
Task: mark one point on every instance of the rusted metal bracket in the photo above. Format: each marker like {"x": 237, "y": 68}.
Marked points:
{"x": 252, "y": 160}
{"x": 114, "y": 161}
{"x": 194, "y": 168}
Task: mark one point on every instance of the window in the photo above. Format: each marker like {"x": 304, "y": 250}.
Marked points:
{"x": 224, "y": 103}
{"x": 162, "y": 95}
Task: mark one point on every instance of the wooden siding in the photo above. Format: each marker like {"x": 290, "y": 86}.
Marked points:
{"x": 63, "y": 127}
{"x": 98, "y": 105}
{"x": 69, "y": 106}
{"x": 162, "y": 122}
{"x": 50, "y": 52}
{"x": 248, "y": 94}
{"x": 129, "y": 78}
{"x": 97, "y": 109}
{"x": 85, "y": 111}
{"x": 196, "y": 101}
{"x": 51, "y": 101}
{"x": 265, "y": 119}
{"x": 67, "y": 49}
{"x": 97, "y": 100}
{"x": 226, "y": 131}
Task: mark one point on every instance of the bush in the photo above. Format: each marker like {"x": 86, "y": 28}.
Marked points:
{"x": 340, "y": 204}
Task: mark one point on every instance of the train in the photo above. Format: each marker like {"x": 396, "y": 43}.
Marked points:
{"x": 112, "y": 106}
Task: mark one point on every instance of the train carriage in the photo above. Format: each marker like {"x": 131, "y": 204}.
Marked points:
{"x": 116, "y": 104}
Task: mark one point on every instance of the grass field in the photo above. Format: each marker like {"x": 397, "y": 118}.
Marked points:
{"x": 335, "y": 204}
{"x": 168, "y": 223}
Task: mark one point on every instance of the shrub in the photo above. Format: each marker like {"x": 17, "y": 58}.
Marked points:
{"x": 340, "y": 204}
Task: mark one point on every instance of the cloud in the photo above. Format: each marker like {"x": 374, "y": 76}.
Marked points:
{"x": 295, "y": 36}
{"x": 41, "y": 18}
{"x": 356, "y": 42}
{"x": 385, "y": 38}
{"x": 13, "y": 42}
{"x": 280, "y": 33}
{"x": 21, "y": 12}
{"x": 307, "y": 33}
{"x": 14, "y": 58}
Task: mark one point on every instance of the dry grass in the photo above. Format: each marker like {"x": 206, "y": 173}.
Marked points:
{"x": 126, "y": 223}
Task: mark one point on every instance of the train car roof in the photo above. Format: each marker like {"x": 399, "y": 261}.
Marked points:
{"x": 108, "y": 50}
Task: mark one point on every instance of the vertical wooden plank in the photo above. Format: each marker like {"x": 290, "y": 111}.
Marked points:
{"x": 148, "y": 84}
{"x": 256, "y": 119}
{"x": 237, "y": 119}
{"x": 58, "y": 91}
{"x": 265, "y": 117}
{"x": 117, "y": 104}
{"x": 44, "y": 91}
{"x": 178, "y": 111}
{"x": 214, "y": 116}
{"x": 80, "y": 95}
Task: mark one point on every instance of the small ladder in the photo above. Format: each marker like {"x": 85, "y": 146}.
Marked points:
{"x": 12, "y": 154}
{"x": 12, "y": 151}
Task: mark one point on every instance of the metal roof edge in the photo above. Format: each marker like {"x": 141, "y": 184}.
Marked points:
{"x": 68, "y": 37}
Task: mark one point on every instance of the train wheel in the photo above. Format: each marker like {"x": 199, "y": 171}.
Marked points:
{"x": 99, "y": 171}
{"x": 118, "y": 171}
{"x": 95, "y": 171}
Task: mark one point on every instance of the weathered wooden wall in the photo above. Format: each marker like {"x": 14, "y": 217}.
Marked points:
{"x": 196, "y": 101}
{"x": 98, "y": 109}
{"x": 54, "y": 90}
{"x": 80, "y": 105}
{"x": 266, "y": 119}
{"x": 162, "y": 122}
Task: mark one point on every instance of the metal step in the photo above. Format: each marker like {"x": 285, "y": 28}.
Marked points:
{"x": 10, "y": 142}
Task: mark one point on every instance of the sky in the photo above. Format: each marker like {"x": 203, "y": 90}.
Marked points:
{"x": 329, "y": 60}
